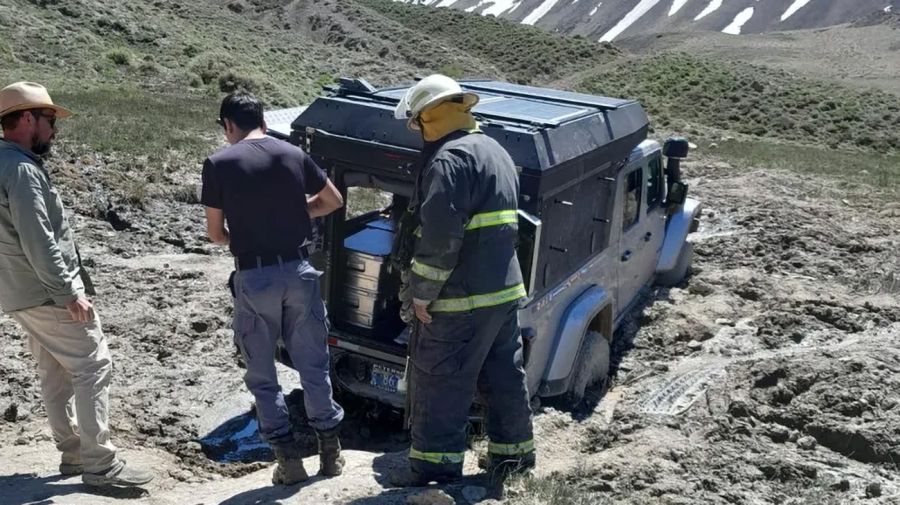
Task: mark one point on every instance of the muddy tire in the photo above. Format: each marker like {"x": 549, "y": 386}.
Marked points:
{"x": 591, "y": 367}
{"x": 675, "y": 276}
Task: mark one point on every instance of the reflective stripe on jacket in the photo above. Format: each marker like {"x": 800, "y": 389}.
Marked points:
{"x": 465, "y": 255}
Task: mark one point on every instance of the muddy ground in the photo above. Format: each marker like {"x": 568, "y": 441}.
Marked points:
{"x": 771, "y": 376}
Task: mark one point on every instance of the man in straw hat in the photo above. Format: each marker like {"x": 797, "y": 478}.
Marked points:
{"x": 40, "y": 288}
{"x": 463, "y": 282}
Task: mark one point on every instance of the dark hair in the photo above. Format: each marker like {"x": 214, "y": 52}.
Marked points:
{"x": 243, "y": 109}
{"x": 11, "y": 120}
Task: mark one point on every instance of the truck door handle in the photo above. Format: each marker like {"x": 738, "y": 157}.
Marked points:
{"x": 626, "y": 255}
{"x": 647, "y": 236}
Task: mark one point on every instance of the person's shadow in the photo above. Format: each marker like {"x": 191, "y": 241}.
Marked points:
{"x": 22, "y": 489}
{"x": 269, "y": 494}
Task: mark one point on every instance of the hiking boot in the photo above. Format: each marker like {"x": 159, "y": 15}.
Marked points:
{"x": 70, "y": 469}
{"x": 118, "y": 475}
{"x": 290, "y": 465}
{"x": 331, "y": 463}
{"x": 70, "y": 464}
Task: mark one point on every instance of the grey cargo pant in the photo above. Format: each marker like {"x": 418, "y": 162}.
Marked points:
{"x": 283, "y": 300}
{"x": 452, "y": 358}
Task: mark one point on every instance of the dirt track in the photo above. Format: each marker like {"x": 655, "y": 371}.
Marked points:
{"x": 773, "y": 376}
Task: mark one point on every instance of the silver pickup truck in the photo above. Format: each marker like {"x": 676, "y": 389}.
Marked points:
{"x": 601, "y": 218}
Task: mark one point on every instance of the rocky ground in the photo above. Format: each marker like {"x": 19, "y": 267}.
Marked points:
{"x": 771, "y": 376}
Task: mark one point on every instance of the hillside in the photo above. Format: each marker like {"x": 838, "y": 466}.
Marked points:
{"x": 788, "y": 327}
{"x": 614, "y": 19}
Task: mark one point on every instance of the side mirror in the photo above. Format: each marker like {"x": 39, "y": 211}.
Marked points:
{"x": 676, "y": 147}
{"x": 677, "y": 193}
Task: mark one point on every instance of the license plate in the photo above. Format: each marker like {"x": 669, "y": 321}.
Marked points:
{"x": 384, "y": 378}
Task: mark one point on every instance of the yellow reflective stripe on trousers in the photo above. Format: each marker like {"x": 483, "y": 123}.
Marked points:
{"x": 497, "y": 218}
{"x": 511, "y": 449}
{"x": 429, "y": 272}
{"x": 478, "y": 301}
{"x": 438, "y": 458}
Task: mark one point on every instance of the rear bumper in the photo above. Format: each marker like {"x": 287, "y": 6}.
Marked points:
{"x": 353, "y": 367}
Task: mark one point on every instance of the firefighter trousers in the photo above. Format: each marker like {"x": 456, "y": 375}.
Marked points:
{"x": 457, "y": 355}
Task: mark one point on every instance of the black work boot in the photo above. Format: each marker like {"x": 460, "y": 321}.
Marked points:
{"x": 408, "y": 477}
{"x": 290, "y": 465}
{"x": 331, "y": 463}
{"x": 500, "y": 468}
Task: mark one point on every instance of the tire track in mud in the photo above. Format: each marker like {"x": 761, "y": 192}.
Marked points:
{"x": 677, "y": 390}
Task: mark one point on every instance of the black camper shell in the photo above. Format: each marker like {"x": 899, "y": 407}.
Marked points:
{"x": 568, "y": 148}
{"x": 566, "y": 145}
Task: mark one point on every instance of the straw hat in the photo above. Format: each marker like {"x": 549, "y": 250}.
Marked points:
{"x": 28, "y": 95}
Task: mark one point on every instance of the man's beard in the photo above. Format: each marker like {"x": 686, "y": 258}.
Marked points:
{"x": 40, "y": 148}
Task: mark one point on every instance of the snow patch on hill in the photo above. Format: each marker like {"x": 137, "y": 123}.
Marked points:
{"x": 499, "y": 7}
{"x": 735, "y": 27}
{"x": 540, "y": 12}
{"x": 796, "y": 6}
{"x": 712, "y": 7}
{"x": 639, "y": 10}
{"x": 676, "y": 6}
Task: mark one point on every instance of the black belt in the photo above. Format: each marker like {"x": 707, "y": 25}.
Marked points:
{"x": 245, "y": 261}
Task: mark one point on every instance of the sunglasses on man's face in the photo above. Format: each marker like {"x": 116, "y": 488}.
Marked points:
{"x": 220, "y": 122}
{"x": 51, "y": 118}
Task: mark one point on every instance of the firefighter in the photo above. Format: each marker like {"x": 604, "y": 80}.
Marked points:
{"x": 463, "y": 284}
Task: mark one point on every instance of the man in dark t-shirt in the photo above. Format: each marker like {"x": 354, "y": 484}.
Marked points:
{"x": 258, "y": 186}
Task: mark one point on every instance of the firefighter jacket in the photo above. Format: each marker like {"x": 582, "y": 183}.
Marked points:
{"x": 467, "y": 199}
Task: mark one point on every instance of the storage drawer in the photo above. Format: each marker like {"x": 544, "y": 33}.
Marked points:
{"x": 369, "y": 265}
{"x": 361, "y": 300}
{"x": 379, "y": 314}
{"x": 358, "y": 318}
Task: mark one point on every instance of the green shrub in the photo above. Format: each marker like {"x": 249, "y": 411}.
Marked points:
{"x": 230, "y": 81}
{"x": 186, "y": 193}
{"x": 120, "y": 57}
{"x": 325, "y": 80}
{"x": 6, "y": 52}
{"x": 453, "y": 70}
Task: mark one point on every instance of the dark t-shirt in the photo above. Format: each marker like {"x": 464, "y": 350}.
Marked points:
{"x": 261, "y": 185}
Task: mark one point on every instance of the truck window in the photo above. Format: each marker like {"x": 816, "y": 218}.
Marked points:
{"x": 362, "y": 200}
{"x": 631, "y": 209}
{"x": 655, "y": 183}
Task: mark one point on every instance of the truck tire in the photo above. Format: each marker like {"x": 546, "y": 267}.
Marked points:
{"x": 591, "y": 367}
{"x": 675, "y": 276}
